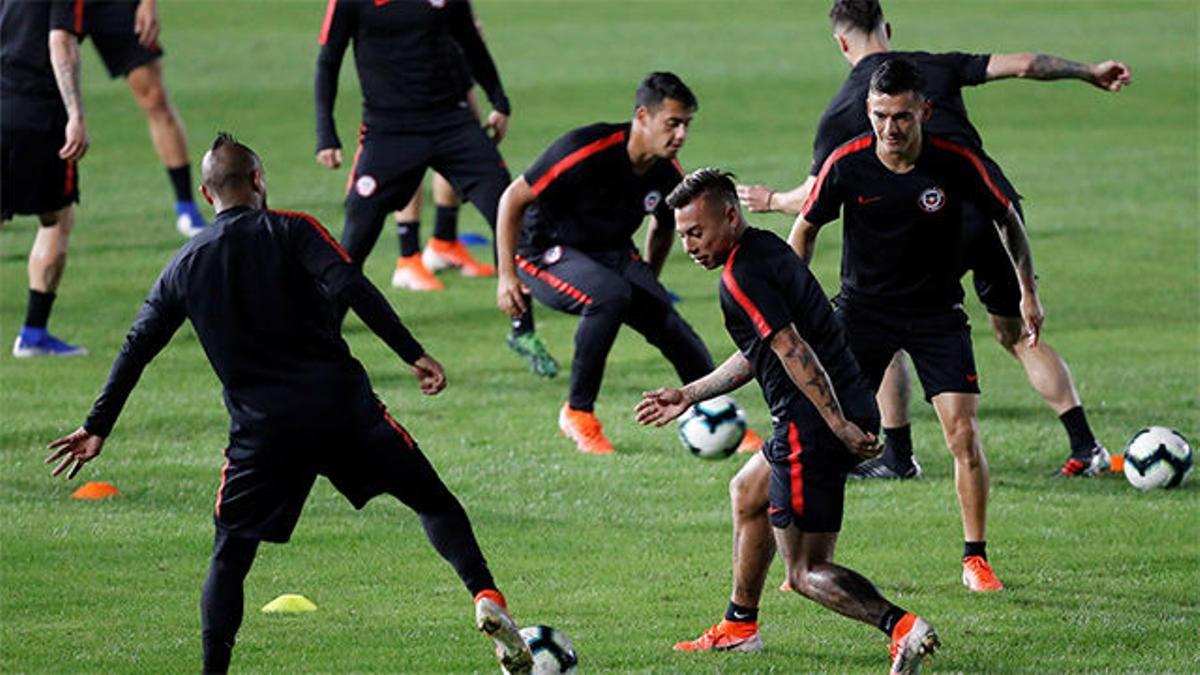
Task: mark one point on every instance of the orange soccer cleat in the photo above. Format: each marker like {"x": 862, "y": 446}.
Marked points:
{"x": 440, "y": 255}
{"x": 585, "y": 429}
{"x": 727, "y": 636}
{"x": 912, "y": 641}
{"x": 412, "y": 274}
{"x": 751, "y": 442}
{"x": 978, "y": 575}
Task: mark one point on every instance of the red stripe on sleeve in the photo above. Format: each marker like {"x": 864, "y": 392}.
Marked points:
{"x": 796, "y": 469}
{"x": 78, "y": 16}
{"x": 756, "y": 317}
{"x": 329, "y": 10}
{"x": 320, "y": 230}
{"x": 975, "y": 162}
{"x": 564, "y": 164}
{"x": 861, "y": 143}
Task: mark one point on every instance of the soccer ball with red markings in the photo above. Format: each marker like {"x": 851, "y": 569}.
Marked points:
{"x": 1157, "y": 457}
{"x": 713, "y": 429}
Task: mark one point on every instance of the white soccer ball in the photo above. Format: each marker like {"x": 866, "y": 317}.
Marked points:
{"x": 713, "y": 429}
{"x": 1157, "y": 457}
{"x": 553, "y": 653}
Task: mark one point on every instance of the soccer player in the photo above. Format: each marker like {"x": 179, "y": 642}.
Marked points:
{"x": 575, "y": 212}
{"x": 125, "y": 33}
{"x": 415, "y": 116}
{"x": 863, "y": 36}
{"x": 415, "y": 268}
{"x": 823, "y": 409}
{"x": 44, "y": 137}
{"x": 263, "y": 290}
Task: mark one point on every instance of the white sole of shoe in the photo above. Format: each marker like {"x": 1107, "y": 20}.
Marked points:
{"x": 915, "y": 649}
{"x": 511, "y": 650}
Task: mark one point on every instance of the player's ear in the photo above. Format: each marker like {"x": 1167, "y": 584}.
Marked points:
{"x": 260, "y": 184}
{"x": 887, "y": 30}
{"x": 206, "y": 194}
{"x": 926, "y": 110}
{"x": 842, "y": 44}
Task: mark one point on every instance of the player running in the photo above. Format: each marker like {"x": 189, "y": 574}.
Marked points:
{"x": 410, "y": 57}
{"x": 125, "y": 33}
{"x": 824, "y": 411}
{"x": 864, "y": 38}
{"x": 263, "y": 290}
{"x": 575, "y": 212}
{"x": 44, "y": 137}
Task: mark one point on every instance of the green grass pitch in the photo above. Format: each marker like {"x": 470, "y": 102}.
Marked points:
{"x": 630, "y": 553}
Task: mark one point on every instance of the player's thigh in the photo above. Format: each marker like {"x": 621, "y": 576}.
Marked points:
{"x": 873, "y": 339}
{"x": 384, "y": 459}
{"x": 35, "y": 179}
{"x": 387, "y": 171}
{"x": 808, "y": 479}
{"x": 571, "y": 281}
{"x": 262, "y": 492}
{"x": 942, "y": 354}
{"x": 472, "y": 164}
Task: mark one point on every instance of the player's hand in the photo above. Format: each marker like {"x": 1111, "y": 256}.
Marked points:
{"x": 430, "y": 375}
{"x": 1111, "y": 75}
{"x": 510, "y": 295}
{"x": 757, "y": 198}
{"x": 76, "y": 140}
{"x": 860, "y": 443}
{"x": 75, "y": 449}
{"x": 497, "y": 124}
{"x": 330, "y": 158}
{"x": 660, "y": 406}
{"x": 1033, "y": 315}
{"x": 145, "y": 23}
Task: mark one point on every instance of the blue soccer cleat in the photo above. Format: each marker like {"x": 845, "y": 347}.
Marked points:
{"x": 188, "y": 220}
{"x": 39, "y": 342}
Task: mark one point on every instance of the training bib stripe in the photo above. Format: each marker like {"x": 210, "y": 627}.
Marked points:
{"x": 563, "y": 165}
{"x": 960, "y": 150}
{"x": 861, "y": 143}
{"x": 743, "y": 301}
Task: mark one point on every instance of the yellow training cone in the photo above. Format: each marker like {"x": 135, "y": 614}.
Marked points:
{"x": 289, "y": 603}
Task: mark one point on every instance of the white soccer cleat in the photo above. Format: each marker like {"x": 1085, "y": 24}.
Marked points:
{"x": 912, "y": 640}
{"x": 493, "y": 619}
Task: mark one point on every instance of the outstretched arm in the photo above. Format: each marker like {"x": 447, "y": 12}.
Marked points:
{"x": 1016, "y": 242}
{"x": 762, "y": 199}
{"x": 1107, "y": 75}
{"x": 64, "y": 57}
{"x": 660, "y": 406}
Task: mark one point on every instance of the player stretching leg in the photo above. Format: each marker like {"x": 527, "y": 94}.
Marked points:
{"x": 300, "y": 405}
{"x": 864, "y": 37}
{"x": 416, "y": 116}
{"x": 789, "y": 341}
{"x": 44, "y": 137}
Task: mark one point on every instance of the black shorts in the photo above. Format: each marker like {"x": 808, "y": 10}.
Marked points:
{"x": 388, "y": 168}
{"x": 992, "y": 272}
{"x": 109, "y": 23}
{"x": 263, "y": 489}
{"x": 808, "y": 475}
{"x": 939, "y": 345}
{"x": 34, "y": 179}
{"x": 569, "y": 280}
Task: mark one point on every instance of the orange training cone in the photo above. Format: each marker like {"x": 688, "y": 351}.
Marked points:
{"x": 95, "y": 491}
{"x": 1118, "y": 463}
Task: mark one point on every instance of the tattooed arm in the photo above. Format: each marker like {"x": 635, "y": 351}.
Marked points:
{"x": 1012, "y": 235}
{"x": 809, "y": 376}
{"x": 663, "y": 405}
{"x": 1108, "y": 75}
{"x": 64, "y": 57}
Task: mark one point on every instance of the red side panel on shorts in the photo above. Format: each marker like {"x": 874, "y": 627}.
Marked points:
{"x": 78, "y": 17}
{"x": 796, "y": 469}
{"x": 747, "y": 305}
{"x": 329, "y": 10}
{"x": 861, "y": 143}
{"x": 69, "y": 183}
{"x": 965, "y": 152}
{"x": 221, "y": 489}
{"x": 574, "y": 158}
{"x": 342, "y": 253}
{"x": 396, "y": 425}
{"x": 553, "y": 281}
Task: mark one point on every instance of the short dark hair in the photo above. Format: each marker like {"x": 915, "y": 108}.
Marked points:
{"x": 707, "y": 182}
{"x": 863, "y": 15}
{"x": 658, "y": 86}
{"x": 232, "y": 163}
{"x": 896, "y": 76}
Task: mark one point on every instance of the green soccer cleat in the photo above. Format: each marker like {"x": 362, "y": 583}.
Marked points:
{"x": 531, "y": 348}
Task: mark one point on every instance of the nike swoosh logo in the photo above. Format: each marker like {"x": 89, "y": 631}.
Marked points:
{"x": 740, "y": 615}
{"x": 972, "y": 378}
{"x": 868, "y": 200}
{"x": 773, "y": 510}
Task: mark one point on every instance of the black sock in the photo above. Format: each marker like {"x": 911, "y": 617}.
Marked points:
{"x": 181, "y": 182}
{"x": 736, "y": 612}
{"x": 524, "y": 324}
{"x": 37, "y": 312}
{"x": 449, "y": 530}
{"x": 890, "y": 619}
{"x": 445, "y": 223}
{"x": 221, "y": 599}
{"x": 409, "y": 232}
{"x": 897, "y": 445}
{"x": 1078, "y": 431}
{"x": 978, "y": 548}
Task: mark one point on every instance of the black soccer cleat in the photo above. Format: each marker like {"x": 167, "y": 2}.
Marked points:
{"x": 879, "y": 468}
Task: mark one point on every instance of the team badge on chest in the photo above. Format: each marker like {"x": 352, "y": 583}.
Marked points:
{"x": 365, "y": 185}
{"x": 932, "y": 200}
{"x": 651, "y": 201}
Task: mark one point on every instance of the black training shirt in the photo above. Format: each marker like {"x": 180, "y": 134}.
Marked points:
{"x": 945, "y": 75}
{"x": 588, "y": 196}
{"x": 262, "y": 290}
{"x": 409, "y": 55}
{"x": 29, "y": 97}
{"x": 766, "y": 287}
{"x": 902, "y": 232}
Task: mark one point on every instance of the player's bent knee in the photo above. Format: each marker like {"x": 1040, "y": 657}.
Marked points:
{"x": 1007, "y": 330}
